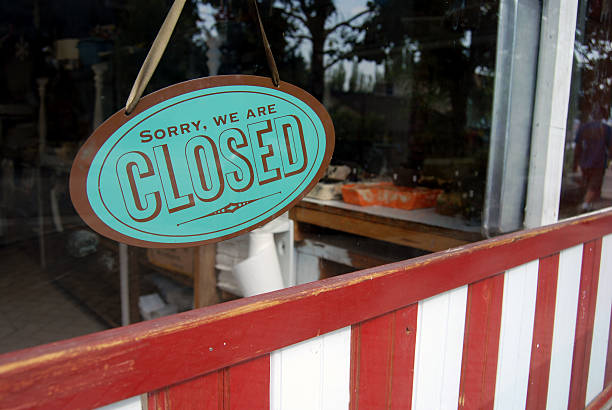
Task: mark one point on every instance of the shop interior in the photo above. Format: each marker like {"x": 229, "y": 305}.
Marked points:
{"x": 409, "y": 87}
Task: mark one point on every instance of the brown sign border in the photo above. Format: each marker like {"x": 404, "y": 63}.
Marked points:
{"x": 85, "y": 156}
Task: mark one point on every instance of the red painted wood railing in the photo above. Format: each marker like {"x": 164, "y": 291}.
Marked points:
{"x": 472, "y": 327}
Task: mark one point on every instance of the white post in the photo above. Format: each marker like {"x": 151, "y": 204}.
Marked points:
{"x": 42, "y": 115}
{"x": 124, "y": 284}
{"x": 98, "y": 70}
{"x": 42, "y": 147}
{"x": 550, "y": 112}
{"x": 213, "y": 54}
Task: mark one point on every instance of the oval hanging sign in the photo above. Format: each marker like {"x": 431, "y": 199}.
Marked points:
{"x": 201, "y": 161}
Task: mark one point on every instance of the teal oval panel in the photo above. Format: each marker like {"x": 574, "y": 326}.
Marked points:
{"x": 201, "y": 161}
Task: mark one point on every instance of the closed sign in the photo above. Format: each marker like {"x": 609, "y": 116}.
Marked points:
{"x": 201, "y": 161}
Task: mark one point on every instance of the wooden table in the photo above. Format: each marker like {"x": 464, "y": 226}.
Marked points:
{"x": 420, "y": 228}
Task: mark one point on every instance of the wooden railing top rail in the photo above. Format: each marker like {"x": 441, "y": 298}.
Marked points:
{"x": 108, "y": 366}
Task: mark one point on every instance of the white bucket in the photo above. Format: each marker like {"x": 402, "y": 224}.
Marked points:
{"x": 260, "y": 272}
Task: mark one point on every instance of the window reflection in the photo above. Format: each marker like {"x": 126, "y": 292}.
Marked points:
{"x": 587, "y": 178}
{"x": 409, "y": 86}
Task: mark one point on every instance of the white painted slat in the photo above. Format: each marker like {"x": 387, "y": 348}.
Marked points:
{"x": 276, "y": 376}
{"x": 601, "y": 328}
{"x": 299, "y": 380}
{"x": 312, "y": 375}
{"x": 336, "y": 370}
{"x": 516, "y": 334}
{"x": 564, "y": 330}
{"x": 133, "y": 403}
{"x": 439, "y": 348}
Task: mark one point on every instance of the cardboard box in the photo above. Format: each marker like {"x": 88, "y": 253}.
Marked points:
{"x": 178, "y": 260}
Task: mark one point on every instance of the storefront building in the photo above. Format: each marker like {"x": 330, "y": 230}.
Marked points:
{"x": 472, "y": 153}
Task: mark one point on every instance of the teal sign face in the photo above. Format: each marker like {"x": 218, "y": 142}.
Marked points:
{"x": 201, "y": 161}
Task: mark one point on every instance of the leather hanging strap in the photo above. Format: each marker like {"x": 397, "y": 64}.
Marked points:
{"x": 268, "y": 50}
{"x": 155, "y": 54}
{"x": 159, "y": 46}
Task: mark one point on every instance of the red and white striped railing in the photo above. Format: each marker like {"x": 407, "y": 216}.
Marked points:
{"x": 520, "y": 321}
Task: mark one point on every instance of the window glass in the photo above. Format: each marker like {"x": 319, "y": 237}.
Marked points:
{"x": 409, "y": 86}
{"x": 587, "y": 177}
